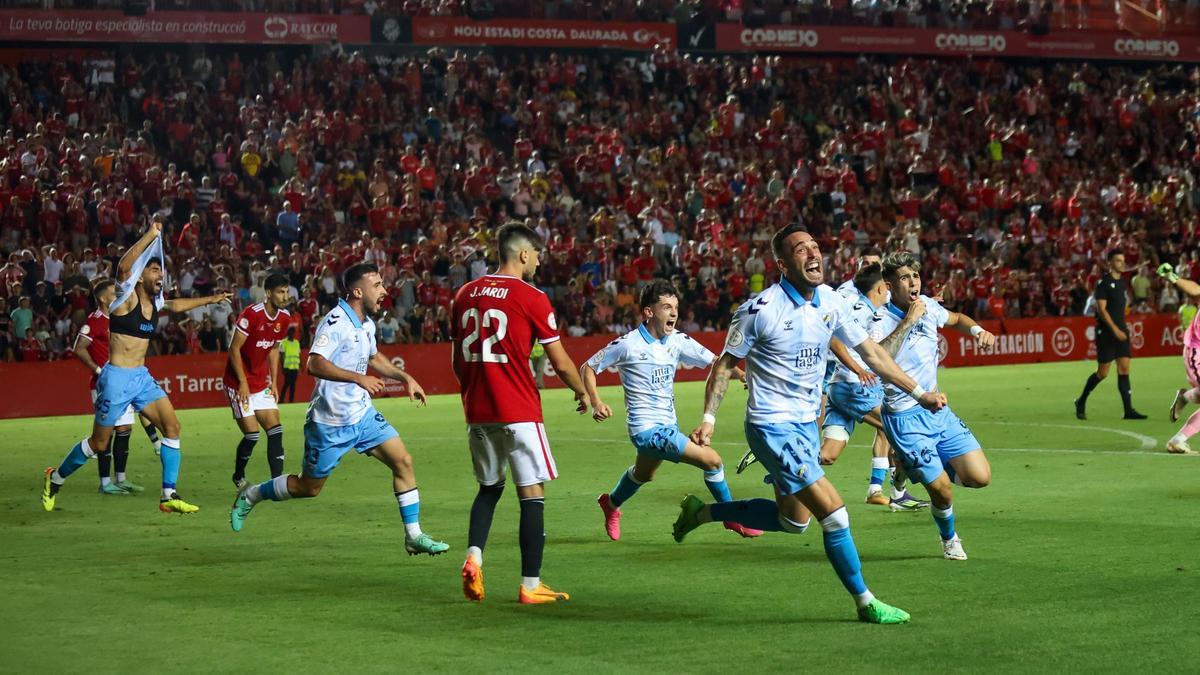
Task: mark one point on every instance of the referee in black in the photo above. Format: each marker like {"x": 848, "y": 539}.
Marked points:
{"x": 1112, "y": 337}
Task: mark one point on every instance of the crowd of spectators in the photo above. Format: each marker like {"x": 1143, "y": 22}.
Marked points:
{"x": 1010, "y": 181}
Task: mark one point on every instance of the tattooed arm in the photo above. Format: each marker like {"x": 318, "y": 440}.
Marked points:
{"x": 723, "y": 369}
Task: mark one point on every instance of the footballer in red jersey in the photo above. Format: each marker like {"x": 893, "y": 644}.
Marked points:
{"x": 252, "y": 375}
{"x": 496, "y": 319}
{"x": 91, "y": 346}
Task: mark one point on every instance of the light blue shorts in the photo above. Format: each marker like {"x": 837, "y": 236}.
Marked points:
{"x": 664, "y": 442}
{"x": 849, "y": 402}
{"x": 118, "y": 388}
{"x": 925, "y": 441}
{"x": 788, "y": 452}
{"x": 325, "y": 444}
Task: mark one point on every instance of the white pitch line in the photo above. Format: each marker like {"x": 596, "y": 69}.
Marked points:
{"x": 1148, "y": 442}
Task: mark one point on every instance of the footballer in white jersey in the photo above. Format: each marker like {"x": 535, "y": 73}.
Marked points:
{"x": 784, "y": 336}
{"x": 936, "y": 449}
{"x": 854, "y": 394}
{"x": 646, "y": 360}
{"x": 341, "y": 416}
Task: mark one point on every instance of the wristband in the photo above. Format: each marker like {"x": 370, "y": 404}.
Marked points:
{"x": 917, "y": 391}
{"x": 976, "y": 330}
{"x": 98, "y": 369}
{"x": 709, "y": 419}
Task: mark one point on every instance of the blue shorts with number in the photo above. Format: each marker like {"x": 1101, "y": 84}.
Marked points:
{"x": 788, "y": 452}
{"x": 926, "y": 441}
{"x": 118, "y": 388}
{"x": 664, "y": 441}
{"x": 326, "y": 444}
{"x": 849, "y": 402}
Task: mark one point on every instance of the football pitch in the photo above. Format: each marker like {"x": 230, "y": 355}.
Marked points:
{"x": 1083, "y": 554}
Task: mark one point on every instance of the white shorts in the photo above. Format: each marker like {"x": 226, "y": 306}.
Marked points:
{"x": 261, "y": 400}
{"x": 521, "y": 445}
{"x": 126, "y": 419}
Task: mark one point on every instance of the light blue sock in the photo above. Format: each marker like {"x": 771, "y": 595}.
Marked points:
{"x": 75, "y": 459}
{"x": 410, "y": 511}
{"x": 842, "y": 554}
{"x": 715, "y": 482}
{"x": 760, "y": 514}
{"x": 626, "y": 487}
{"x": 945, "y": 521}
{"x": 879, "y": 470}
{"x": 170, "y": 455}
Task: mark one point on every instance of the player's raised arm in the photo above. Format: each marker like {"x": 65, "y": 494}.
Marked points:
{"x": 881, "y": 362}
{"x": 125, "y": 264}
{"x": 188, "y": 304}
{"x": 384, "y": 366}
{"x": 1189, "y": 287}
{"x": 892, "y": 342}
{"x": 561, "y": 361}
{"x": 969, "y": 326}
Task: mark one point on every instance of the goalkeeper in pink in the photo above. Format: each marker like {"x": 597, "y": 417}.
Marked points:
{"x": 1191, "y": 361}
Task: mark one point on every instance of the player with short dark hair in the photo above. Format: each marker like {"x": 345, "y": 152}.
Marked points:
{"x": 935, "y": 449}
{"x": 252, "y": 375}
{"x": 496, "y": 320}
{"x": 124, "y": 380}
{"x": 91, "y": 347}
{"x": 341, "y": 417}
{"x": 784, "y": 335}
{"x": 646, "y": 360}
{"x": 1112, "y": 337}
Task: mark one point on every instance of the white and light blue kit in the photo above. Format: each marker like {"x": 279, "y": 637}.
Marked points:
{"x": 924, "y": 441}
{"x": 341, "y": 416}
{"x": 785, "y": 341}
{"x": 849, "y": 400}
{"x": 647, "y": 369}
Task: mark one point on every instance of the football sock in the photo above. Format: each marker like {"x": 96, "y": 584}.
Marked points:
{"x": 104, "y": 464}
{"x": 879, "y": 471}
{"x": 1126, "y": 392}
{"x": 899, "y": 481}
{"x": 245, "y": 448}
{"x": 1191, "y": 427}
{"x": 1092, "y": 381}
{"x": 945, "y": 521}
{"x": 532, "y": 535}
{"x": 78, "y": 456}
{"x": 410, "y": 512}
{"x": 275, "y": 450}
{"x": 842, "y": 554}
{"x": 120, "y": 453}
{"x": 1192, "y": 395}
{"x": 715, "y": 482}
{"x": 482, "y": 510}
{"x": 170, "y": 457}
{"x": 151, "y": 433}
{"x": 760, "y": 514}
{"x": 626, "y": 487}
{"x": 531, "y": 583}
{"x": 275, "y": 490}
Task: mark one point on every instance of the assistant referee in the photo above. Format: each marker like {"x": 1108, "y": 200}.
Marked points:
{"x": 1112, "y": 337}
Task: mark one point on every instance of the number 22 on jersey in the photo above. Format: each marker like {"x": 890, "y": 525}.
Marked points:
{"x": 493, "y": 323}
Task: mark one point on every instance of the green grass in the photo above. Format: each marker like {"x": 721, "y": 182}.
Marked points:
{"x": 1083, "y": 555}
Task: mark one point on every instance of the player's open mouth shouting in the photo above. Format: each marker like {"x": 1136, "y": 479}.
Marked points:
{"x": 813, "y": 273}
